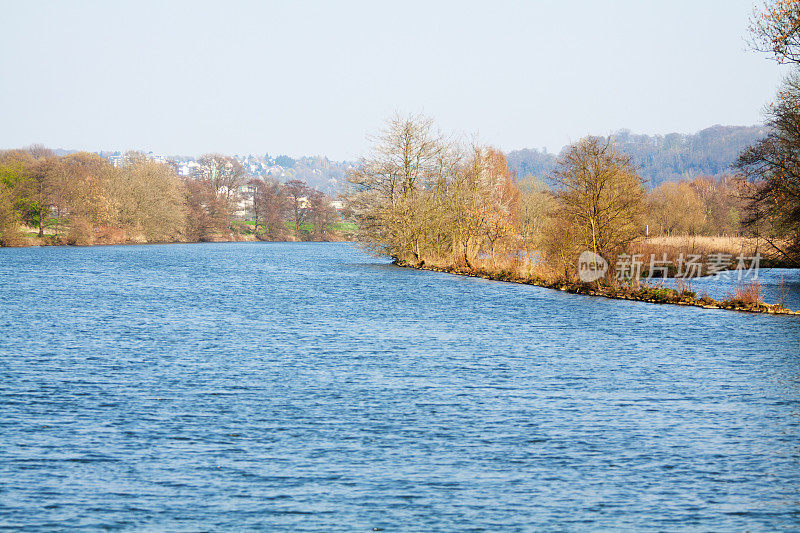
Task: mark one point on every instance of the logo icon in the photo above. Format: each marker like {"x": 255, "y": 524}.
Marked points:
{"x": 591, "y": 267}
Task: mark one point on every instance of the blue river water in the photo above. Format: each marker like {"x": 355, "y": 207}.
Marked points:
{"x": 777, "y": 285}
{"x": 311, "y": 387}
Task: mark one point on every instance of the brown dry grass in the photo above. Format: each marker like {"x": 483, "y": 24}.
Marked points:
{"x": 511, "y": 265}
{"x": 702, "y": 244}
{"x": 747, "y": 292}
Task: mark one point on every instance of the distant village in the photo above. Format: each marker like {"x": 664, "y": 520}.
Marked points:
{"x": 318, "y": 172}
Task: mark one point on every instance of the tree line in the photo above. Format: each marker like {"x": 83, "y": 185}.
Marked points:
{"x": 423, "y": 198}
{"x": 703, "y": 206}
{"x": 773, "y": 163}
{"x": 81, "y": 198}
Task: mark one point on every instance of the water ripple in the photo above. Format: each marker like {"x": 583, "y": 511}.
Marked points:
{"x": 307, "y": 387}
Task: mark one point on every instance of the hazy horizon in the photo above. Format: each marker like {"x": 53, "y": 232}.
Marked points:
{"x": 315, "y": 79}
{"x": 555, "y": 151}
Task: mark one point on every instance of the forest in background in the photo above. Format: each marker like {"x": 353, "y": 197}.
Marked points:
{"x": 82, "y": 198}
{"x": 674, "y": 157}
{"x": 425, "y": 199}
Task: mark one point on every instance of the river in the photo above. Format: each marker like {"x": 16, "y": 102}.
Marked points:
{"x": 311, "y": 387}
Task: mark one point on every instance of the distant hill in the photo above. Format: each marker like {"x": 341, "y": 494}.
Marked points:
{"x": 61, "y": 152}
{"x": 660, "y": 158}
{"x": 531, "y": 161}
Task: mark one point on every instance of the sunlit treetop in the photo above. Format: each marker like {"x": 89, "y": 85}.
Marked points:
{"x": 775, "y": 29}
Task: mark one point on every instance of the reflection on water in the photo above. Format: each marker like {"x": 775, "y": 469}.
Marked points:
{"x": 310, "y": 387}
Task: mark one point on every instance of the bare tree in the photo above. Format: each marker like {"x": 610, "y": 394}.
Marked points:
{"x": 675, "y": 208}
{"x": 775, "y": 29}
{"x": 148, "y": 199}
{"x": 272, "y": 207}
{"x": 405, "y": 161}
{"x": 207, "y": 214}
{"x": 600, "y": 190}
{"x": 773, "y": 165}
{"x": 226, "y": 174}
{"x": 297, "y": 192}
{"x": 484, "y": 206}
{"x": 320, "y": 214}
{"x": 537, "y": 206}
{"x": 82, "y": 180}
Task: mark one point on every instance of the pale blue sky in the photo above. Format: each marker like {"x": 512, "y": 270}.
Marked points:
{"x": 307, "y": 78}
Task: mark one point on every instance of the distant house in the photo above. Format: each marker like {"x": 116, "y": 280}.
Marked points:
{"x": 244, "y": 209}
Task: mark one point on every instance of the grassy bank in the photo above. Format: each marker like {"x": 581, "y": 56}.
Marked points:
{"x": 746, "y": 297}
{"x": 32, "y": 239}
{"x": 60, "y": 234}
{"x": 705, "y": 245}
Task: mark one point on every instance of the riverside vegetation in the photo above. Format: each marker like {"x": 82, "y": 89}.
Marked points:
{"x": 430, "y": 202}
{"x": 82, "y": 199}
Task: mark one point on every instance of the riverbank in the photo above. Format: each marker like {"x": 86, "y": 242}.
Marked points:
{"x": 641, "y": 293}
{"x": 708, "y": 245}
{"x": 58, "y": 233}
{"x": 119, "y": 238}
